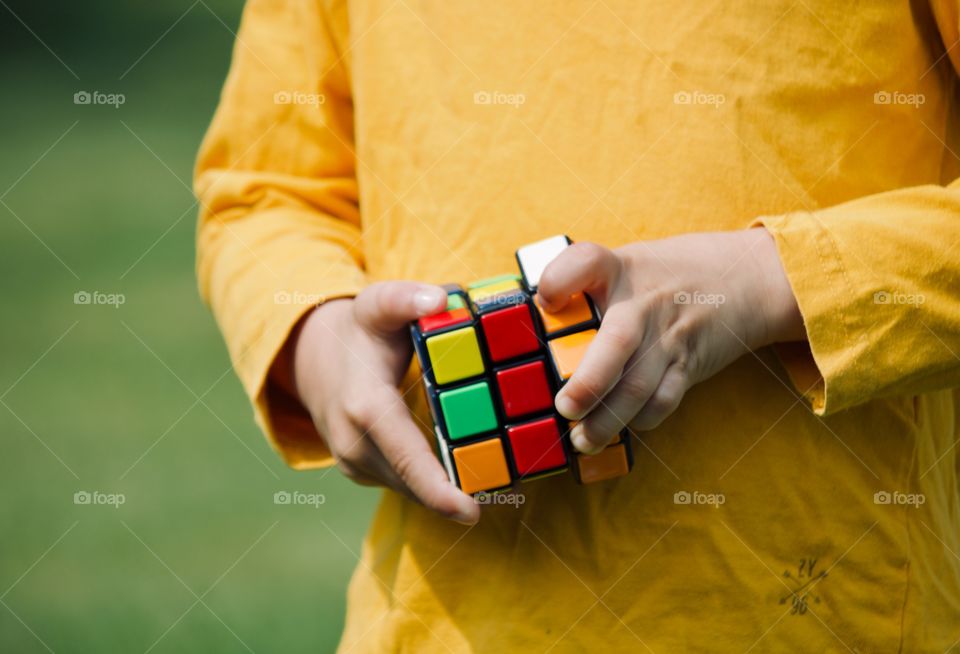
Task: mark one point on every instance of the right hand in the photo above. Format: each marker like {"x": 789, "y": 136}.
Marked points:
{"x": 349, "y": 359}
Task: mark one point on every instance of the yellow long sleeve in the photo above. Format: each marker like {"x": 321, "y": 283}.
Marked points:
{"x": 878, "y": 283}
{"x": 279, "y": 228}
{"x": 428, "y": 140}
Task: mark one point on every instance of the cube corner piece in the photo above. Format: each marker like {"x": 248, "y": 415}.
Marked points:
{"x": 614, "y": 461}
{"x": 537, "y": 447}
{"x": 534, "y": 257}
{"x": 482, "y": 467}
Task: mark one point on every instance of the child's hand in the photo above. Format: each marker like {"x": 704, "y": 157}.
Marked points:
{"x": 349, "y": 358}
{"x": 676, "y": 311}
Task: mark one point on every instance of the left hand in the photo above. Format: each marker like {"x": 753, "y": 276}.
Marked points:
{"x": 675, "y": 312}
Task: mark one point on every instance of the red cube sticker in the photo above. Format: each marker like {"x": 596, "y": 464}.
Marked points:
{"x": 524, "y": 389}
{"x": 536, "y": 446}
{"x": 509, "y": 333}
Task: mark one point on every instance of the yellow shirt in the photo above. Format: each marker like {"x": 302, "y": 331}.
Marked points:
{"x": 372, "y": 140}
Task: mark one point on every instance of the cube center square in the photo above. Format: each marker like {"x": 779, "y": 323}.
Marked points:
{"x": 482, "y": 466}
{"x": 577, "y": 312}
{"x": 468, "y": 410}
{"x": 509, "y": 332}
{"x": 567, "y": 351}
{"x": 537, "y": 446}
{"x": 455, "y": 355}
{"x": 524, "y": 389}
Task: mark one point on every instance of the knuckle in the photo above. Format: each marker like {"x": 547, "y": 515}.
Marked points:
{"x": 365, "y": 408}
{"x": 679, "y": 342}
{"x": 681, "y": 367}
{"x": 636, "y": 387}
{"x": 659, "y": 404}
{"x": 404, "y": 465}
{"x": 590, "y": 253}
{"x": 619, "y": 334}
{"x": 358, "y": 408}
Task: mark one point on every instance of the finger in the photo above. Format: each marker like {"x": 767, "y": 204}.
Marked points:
{"x": 360, "y": 460}
{"x": 581, "y": 267}
{"x": 602, "y": 365}
{"x": 355, "y": 455}
{"x": 664, "y": 400}
{"x": 385, "y": 307}
{"x": 390, "y": 426}
{"x": 640, "y": 381}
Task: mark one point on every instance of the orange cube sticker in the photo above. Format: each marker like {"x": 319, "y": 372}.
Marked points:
{"x": 568, "y": 351}
{"x": 481, "y": 466}
{"x": 575, "y": 313}
{"x": 606, "y": 464}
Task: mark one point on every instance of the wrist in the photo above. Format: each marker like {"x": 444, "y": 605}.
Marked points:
{"x": 779, "y": 311}
{"x": 315, "y": 331}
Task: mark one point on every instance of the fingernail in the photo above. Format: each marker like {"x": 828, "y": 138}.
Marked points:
{"x": 429, "y": 299}
{"x": 464, "y": 518}
{"x": 566, "y": 407}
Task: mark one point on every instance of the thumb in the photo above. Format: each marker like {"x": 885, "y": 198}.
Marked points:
{"x": 581, "y": 267}
{"x": 386, "y": 307}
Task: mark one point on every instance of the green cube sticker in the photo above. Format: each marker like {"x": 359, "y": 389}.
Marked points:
{"x": 455, "y": 301}
{"x": 468, "y": 410}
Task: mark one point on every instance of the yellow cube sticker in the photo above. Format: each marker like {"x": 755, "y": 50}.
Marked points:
{"x": 455, "y": 355}
{"x": 482, "y": 292}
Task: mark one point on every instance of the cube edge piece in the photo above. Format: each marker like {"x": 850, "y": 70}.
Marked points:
{"x": 536, "y": 261}
{"x": 443, "y": 393}
{"x": 528, "y": 421}
{"x": 625, "y": 442}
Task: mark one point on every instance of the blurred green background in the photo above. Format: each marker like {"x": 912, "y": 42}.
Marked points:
{"x": 97, "y": 398}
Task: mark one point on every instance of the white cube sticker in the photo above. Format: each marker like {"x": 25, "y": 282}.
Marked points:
{"x": 533, "y": 258}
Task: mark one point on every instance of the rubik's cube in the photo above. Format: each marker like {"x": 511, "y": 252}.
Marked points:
{"x": 492, "y": 364}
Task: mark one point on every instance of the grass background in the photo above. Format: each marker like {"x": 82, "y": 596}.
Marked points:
{"x": 96, "y": 398}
